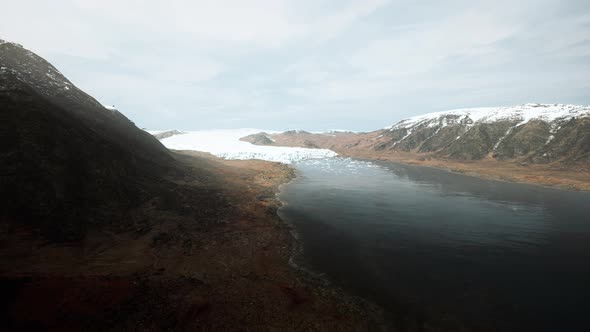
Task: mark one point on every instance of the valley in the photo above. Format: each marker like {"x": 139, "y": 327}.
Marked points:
{"x": 104, "y": 228}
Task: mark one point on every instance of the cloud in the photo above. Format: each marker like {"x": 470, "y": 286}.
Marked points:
{"x": 358, "y": 64}
{"x": 173, "y": 68}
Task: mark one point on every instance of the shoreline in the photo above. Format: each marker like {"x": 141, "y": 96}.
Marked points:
{"x": 494, "y": 170}
{"x": 363, "y": 313}
{"x": 478, "y": 175}
{"x": 320, "y": 280}
{"x": 444, "y": 186}
{"x": 297, "y": 256}
{"x": 572, "y": 176}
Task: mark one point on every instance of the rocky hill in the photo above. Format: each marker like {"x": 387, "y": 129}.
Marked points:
{"x": 260, "y": 139}
{"x": 67, "y": 163}
{"x": 536, "y": 133}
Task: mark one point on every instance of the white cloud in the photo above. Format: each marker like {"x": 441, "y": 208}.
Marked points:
{"x": 172, "y": 68}
{"x": 421, "y": 50}
{"x": 196, "y": 64}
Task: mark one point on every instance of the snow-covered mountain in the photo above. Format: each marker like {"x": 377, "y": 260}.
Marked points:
{"x": 521, "y": 113}
{"x": 537, "y": 132}
{"x": 225, "y": 143}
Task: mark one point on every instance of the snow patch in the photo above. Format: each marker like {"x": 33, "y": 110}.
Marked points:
{"x": 549, "y": 139}
{"x": 403, "y": 138}
{"x": 554, "y": 128}
{"x": 506, "y": 134}
{"x": 434, "y": 134}
{"x": 335, "y": 131}
{"x": 2, "y": 41}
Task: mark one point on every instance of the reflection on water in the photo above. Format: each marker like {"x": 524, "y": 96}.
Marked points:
{"x": 445, "y": 249}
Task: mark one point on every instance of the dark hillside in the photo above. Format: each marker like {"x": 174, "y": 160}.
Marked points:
{"x": 67, "y": 163}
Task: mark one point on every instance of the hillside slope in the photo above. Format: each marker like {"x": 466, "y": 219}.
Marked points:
{"x": 537, "y": 133}
{"x": 68, "y": 163}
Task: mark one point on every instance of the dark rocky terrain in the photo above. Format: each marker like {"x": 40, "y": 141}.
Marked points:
{"x": 68, "y": 163}
{"x": 103, "y": 228}
{"x": 260, "y": 139}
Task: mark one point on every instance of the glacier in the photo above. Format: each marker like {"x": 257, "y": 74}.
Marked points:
{"x": 225, "y": 143}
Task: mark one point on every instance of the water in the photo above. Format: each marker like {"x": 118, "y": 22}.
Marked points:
{"x": 445, "y": 251}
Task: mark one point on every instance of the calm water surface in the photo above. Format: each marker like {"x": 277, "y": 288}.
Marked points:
{"x": 444, "y": 250}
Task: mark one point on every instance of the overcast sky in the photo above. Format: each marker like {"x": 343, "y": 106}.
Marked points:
{"x": 312, "y": 65}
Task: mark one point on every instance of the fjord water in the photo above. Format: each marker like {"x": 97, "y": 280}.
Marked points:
{"x": 440, "y": 250}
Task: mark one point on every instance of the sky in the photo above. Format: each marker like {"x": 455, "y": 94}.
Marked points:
{"x": 313, "y": 65}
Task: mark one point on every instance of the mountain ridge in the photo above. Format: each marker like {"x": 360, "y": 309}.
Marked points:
{"x": 525, "y": 112}
{"x": 68, "y": 163}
